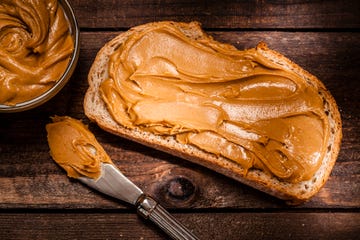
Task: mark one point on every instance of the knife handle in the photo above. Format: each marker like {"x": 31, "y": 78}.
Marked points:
{"x": 150, "y": 209}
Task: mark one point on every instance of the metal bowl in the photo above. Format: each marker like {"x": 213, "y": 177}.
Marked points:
{"x": 44, "y": 97}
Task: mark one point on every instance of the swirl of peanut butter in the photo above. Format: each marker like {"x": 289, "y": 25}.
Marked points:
{"x": 35, "y": 48}
{"x": 235, "y": 104}
{"x": 75, "y": 148}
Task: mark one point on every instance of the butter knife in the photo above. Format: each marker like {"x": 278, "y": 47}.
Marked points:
{"x": 113, "y": 183}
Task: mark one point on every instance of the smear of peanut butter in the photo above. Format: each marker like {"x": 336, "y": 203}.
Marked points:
{"x": 228, "y": 102}
{"x": 35, "y": 48}
{"x": 75, "y": 148}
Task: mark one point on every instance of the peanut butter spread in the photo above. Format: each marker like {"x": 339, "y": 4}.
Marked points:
{"x": 35, "y": 48}
{"x": 235, "y": 104}
{"x": 75, "y": 148}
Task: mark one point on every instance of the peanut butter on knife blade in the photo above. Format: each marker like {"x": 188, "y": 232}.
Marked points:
{"x": 75, "y": 148}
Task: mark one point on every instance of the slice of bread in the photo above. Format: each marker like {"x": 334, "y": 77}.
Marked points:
{"x": 293, "y": 193}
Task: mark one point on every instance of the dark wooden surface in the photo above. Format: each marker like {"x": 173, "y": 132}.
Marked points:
{"x": 38, "y": 201}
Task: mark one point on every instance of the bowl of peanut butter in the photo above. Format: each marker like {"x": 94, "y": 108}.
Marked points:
{"x": 39, "y": 49}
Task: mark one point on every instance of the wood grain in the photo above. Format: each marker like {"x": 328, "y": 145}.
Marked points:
{"x": 226, "y": 225}
{"x": 225, "y": 14}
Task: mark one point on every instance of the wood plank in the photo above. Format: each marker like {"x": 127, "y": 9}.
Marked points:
{"x": 30, "y": 179}
{"x": 43, "y": 184}
{"x": 228, "y": 225}
{"x": 224, "y": 14}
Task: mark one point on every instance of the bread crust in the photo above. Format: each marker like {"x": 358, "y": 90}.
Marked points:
{"x": 293, "y": 193}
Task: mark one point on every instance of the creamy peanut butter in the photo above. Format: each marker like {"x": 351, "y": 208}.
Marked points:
{"x": 35, "y": 48}
{"x": 232, "y": 103}
{"x": 75, "y": 148}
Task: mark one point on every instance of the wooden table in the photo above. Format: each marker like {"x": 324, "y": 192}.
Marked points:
{"x": 38, "y": 201}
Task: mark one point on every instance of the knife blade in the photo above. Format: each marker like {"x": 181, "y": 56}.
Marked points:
{"x": 114, "y": 183}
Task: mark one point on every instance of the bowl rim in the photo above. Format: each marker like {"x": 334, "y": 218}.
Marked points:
{"x": 65, "y": 77}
